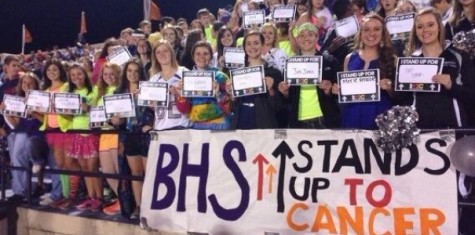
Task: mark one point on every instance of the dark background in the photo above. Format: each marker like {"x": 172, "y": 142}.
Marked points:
{"x": 57, "y": 22}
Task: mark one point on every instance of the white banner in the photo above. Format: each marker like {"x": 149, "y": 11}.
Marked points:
{"x": 297, "y": 182}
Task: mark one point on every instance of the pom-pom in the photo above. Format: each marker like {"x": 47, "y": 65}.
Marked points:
{"x": 397, "y": 128}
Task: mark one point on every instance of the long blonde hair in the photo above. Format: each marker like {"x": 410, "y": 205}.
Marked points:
{"x": 157, "y": 67}
{"x": 414, "y": 42}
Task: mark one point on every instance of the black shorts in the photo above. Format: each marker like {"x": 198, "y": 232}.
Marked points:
{"x": 136, "y": 144}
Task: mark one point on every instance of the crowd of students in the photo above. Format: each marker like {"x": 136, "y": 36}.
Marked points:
{"x": 179, "y": 46}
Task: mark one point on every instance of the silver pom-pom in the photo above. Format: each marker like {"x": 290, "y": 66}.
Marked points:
{"x": 397, "y": 128}
{"x": 465, "y": 41}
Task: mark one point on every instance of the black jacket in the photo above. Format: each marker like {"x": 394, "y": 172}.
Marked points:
{"x": 265, "y": 106}
{"x": 449, "y": 108}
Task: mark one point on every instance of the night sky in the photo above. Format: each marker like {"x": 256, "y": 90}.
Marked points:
{"x": 57, "y": 22}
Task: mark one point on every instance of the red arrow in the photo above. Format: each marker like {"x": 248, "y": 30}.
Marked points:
{"x": 260, "y": 160}
{"x": 270, "y": 172}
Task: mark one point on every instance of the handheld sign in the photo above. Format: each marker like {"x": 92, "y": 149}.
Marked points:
{"x": 248, "y": 81}
{"x": 97, "y": 117}
{"x": 234, "y": 57}
{"x": 38, "y": 101}
{"x": 14, "y": 106}
{"x": 283, "y": 13}
{"x": 121, "y": 105}
{"x": 198, "y": 84}
{"x": 253, "y": 18}
{"x": 120, "y": 56}
{"x": 67, "y": 103}
{"x": 359, "y": 86}
{"x": 303, "y": 70}
{"x": 346, "y": 27}
{"x": 415, "y": 73}
{"x": 153, "y": 94}
{"x": 399, "y": 23}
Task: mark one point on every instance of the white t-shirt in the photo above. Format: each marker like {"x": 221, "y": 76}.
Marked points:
{"x": 170, "y": 117}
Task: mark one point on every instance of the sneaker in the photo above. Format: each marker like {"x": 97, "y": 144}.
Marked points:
{"x": 58, "y": 202}
{"x": 84, "y": 205}
{"x": 47, "y": 201}
{"x": 36, "y": 168}
{"x": 68, "y": 204}
{"x": 16, "y": 198}
{"x": 96, "y": 205}
{"x": 112, "y": 209}
{"x": 135, "y": 214}
{"x": 44, "y": 196}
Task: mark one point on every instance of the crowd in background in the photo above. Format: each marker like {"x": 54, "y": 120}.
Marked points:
{"x": 161, "y": 55}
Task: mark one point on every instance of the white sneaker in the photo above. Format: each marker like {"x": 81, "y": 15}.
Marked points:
{"x": 46, "y": 202}
{"x": 36, "y": 168}
{"x": 44, "y": 196}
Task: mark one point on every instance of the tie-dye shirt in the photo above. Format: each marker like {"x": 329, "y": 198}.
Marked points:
{"x": 209, "y": 113}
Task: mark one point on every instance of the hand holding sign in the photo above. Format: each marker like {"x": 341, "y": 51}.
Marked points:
{"x": 284, "y": 88}
{"x": 444, "y": 80}
{"x": 326, "y": 86}
{"x": 385, "y": 84}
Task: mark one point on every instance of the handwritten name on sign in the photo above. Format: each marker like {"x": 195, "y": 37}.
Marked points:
{"x": 97, "y": 117}
{"x": 198, "y": 83}
{"x": 39, "y": 101}
{"x": 14, "y": 105}
{"x": 248, "y": 81}
{"x": 67, "y": 103}
{"x": 415, "y": 74}
{"x": 358, "y": 86}
{"x": 121, "y": 105}
{"x": 153, "y": 94}
{"x": 321, "y": 182}
{"x": 253, "y": 18}
{"x": 301, "y": 70}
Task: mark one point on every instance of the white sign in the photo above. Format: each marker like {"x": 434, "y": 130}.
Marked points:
{"x": 97, "y": 117}
{"x": 400, "y": 23}
{"x": 415, "y": 73}
{"x": 298, "y": 182}
{"x": 38, "y": 101}
{"x": 234, "y": 57}
{"x": 67, "y": 103}
{"x": 153, "y": 94}
{"x": 198, "y": 84}
{"x": 358, "y": 86}
{"x": 254, "y": 18}
{"x": 14, "y": 105}
{"x": 120, "y": 56}
{"x": 347, "y": 27}
{"x": 248, "y": 81}
{"x": 283, "y": 13}
{"x": 121, "y": 105}
{"x": 303, "y": 70}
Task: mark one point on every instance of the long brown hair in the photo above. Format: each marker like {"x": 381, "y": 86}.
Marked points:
{"x": 414, "y": 42}
{"x": 385, "y": 52}
{"x": 23, "y": 76}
